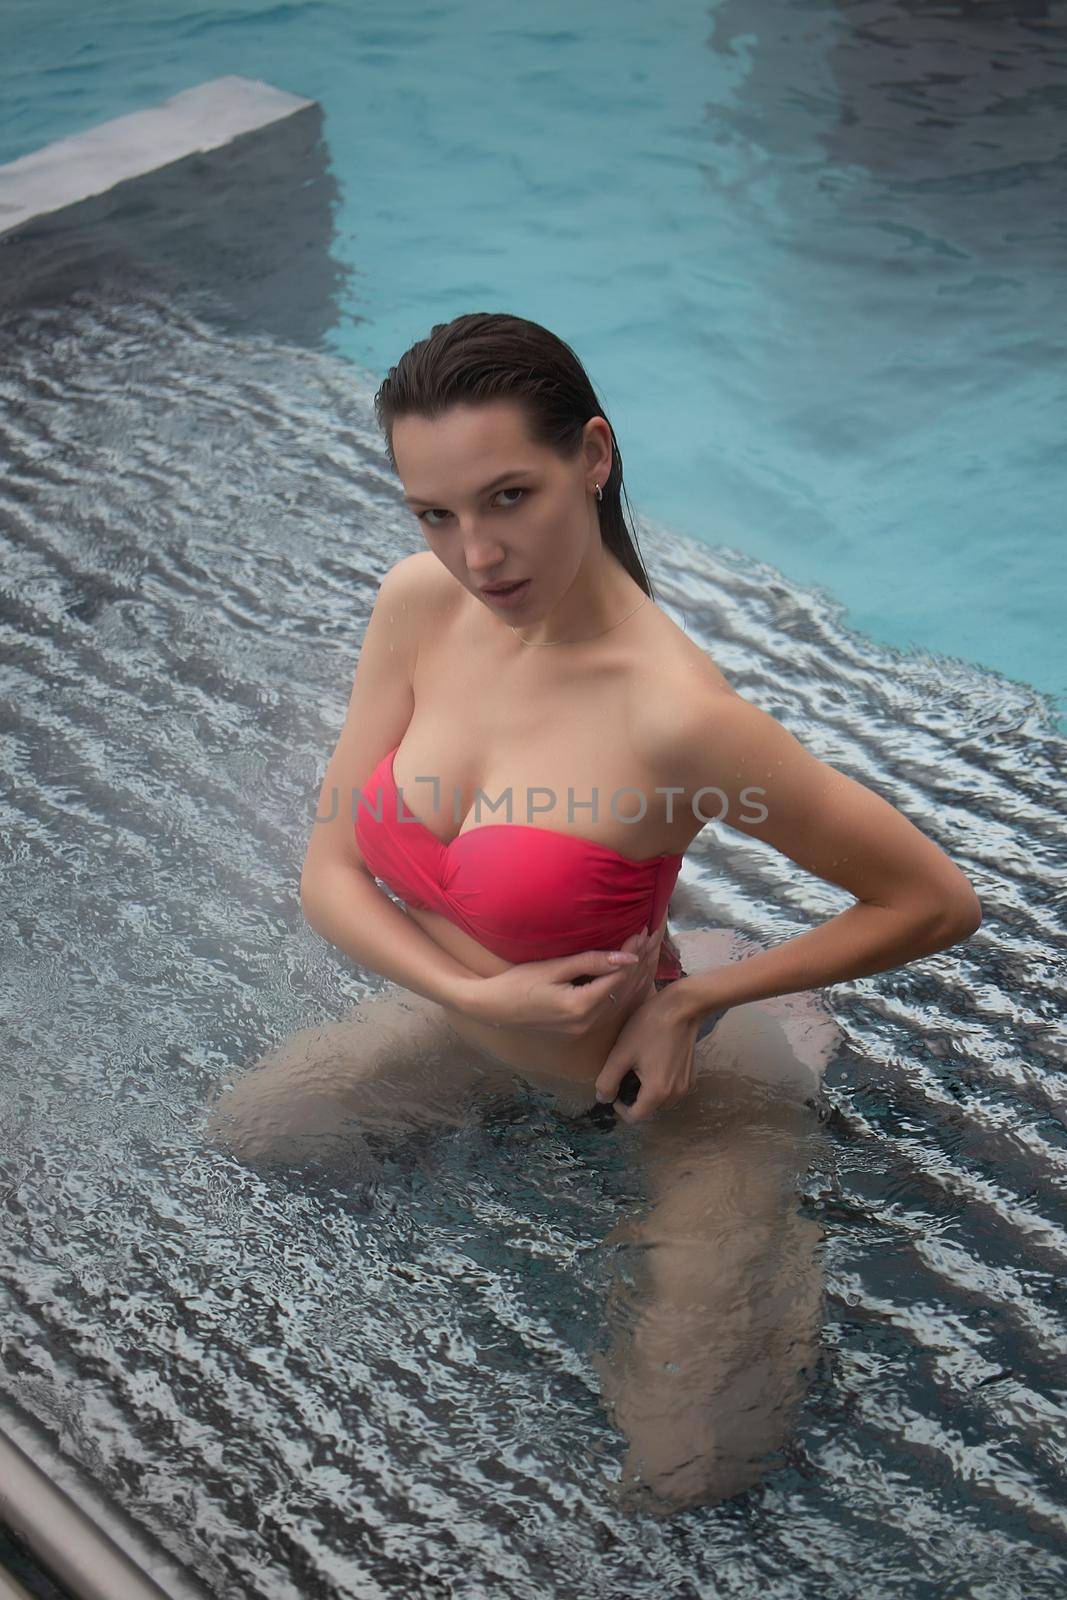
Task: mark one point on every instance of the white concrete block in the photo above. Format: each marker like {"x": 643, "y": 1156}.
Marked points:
{"x": 200, "y": 119}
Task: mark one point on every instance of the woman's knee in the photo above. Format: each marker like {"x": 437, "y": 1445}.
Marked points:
{"x": 389, "y": 1063}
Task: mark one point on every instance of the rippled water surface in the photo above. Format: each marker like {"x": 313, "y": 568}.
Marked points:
{"x": 305, "y": 1387}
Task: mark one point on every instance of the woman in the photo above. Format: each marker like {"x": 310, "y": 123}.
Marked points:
{"x": 525, "y": 771}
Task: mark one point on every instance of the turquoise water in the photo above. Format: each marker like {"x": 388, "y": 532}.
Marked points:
{"x": 314, "y": 1384}
{"x": 310, "y": 1386}
{"x": 811, "y": 257}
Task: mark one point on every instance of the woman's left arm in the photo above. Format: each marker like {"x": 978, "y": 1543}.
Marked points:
{"x": 736, "y": 764}
{"x": 911, "y": 900}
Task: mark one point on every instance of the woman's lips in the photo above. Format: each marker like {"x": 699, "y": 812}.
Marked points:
{"x": 509, "y": 597}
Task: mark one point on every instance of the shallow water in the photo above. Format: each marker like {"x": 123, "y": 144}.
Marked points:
{"x": 812, "y": 256}
{"x": 311, "y": 1389}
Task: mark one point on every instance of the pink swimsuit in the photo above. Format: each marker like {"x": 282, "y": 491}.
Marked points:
{"x": 524, "y": 892}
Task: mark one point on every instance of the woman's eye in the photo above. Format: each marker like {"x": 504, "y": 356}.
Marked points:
{"x": 425, "y": 515}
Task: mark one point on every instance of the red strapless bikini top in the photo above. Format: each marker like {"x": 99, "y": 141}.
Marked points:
{"x": 524, "y": 892}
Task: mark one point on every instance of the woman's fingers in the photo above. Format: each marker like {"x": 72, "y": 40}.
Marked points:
{"x": 636, "y": 977}
{"x": 593, "y": 965}
{"x": 604, "y": 980}
{"x": 617, "y": 987}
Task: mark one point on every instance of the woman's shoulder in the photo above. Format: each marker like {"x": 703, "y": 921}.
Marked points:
{"x": 672, "y": 667}
{"x": 424, "y": 592}
{"x": 671, "y": 694}
{"x": 417, "y": 576}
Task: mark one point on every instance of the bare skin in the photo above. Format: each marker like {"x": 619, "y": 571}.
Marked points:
{"x": 522, "y": 738}
{"x": 605, "y": 694}
{"x": 712, "y": 1347}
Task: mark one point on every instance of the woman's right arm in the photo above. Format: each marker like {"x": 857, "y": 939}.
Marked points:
{"x": 346, "y": 907}
{"x": 338, "y": 894}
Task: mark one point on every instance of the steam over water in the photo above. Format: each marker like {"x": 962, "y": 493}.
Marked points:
{"x": 314, "y": 1384}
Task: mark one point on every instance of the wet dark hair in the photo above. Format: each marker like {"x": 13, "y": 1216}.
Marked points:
{"x": 486, "y": 356}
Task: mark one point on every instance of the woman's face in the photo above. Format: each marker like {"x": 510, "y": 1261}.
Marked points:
{"x": 496, "y": 508}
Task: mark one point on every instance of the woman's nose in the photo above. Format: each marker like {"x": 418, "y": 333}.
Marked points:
{"x": 483, "y": 560}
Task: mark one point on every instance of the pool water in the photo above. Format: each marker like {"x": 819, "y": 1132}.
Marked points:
{"x": 319, "y": 1383}
{"x": 812, "y": 257}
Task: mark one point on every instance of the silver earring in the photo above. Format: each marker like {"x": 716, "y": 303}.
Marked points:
{"x": 598, "y": 491}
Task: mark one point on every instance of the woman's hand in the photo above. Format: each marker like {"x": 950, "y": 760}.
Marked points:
{"x": 656, "y": 1044}
{"x": 544, "y": 995}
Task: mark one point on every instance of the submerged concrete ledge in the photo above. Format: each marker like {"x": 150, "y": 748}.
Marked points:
{"x": 93, "y": 1549}
{"x": 71, "y": 170}
{"x": 221, "y": 196}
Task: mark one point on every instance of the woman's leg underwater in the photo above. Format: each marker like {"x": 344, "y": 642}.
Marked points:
{"x": 393, "y": 1064}
{"x": 715, "y": 1339}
